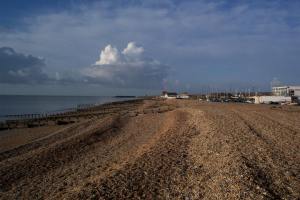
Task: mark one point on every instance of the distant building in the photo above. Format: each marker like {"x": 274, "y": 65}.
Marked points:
{"x": 272, "y": 99}
{"x": 292, "y": 91}
{"x": 183, "y": 96}
{"x": 169, "y": 95}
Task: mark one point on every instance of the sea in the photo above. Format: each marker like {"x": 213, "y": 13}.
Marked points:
{"x": 31, "y": 104}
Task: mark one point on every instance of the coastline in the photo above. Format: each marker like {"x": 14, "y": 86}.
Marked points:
{"x": 21, "y": 131}
{"x": 25, "y": 106}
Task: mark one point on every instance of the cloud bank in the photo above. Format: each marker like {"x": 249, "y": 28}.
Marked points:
{"x": 19, "y": 68}
{"x": 130, "y": 68}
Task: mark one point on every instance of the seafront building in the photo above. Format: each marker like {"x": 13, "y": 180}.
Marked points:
{"x": 169, "y": 95}
{"x": 272, "y": 99}
{"x": 280, "y": 94}
{"x": 174, "y": 95}
{"x": 286, "y": 91}
{"x": 183, "y": 96}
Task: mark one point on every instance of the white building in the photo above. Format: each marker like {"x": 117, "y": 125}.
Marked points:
{"x": 272, "y": 99}
{"x": 169, "y": 95}
{"x": 183, "y": 96}
{"x": 286, "y": 91}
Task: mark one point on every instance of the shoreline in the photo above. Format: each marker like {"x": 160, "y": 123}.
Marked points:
{"x": 25, "y": 131}
{"x": 13, "y": 118}
{"x": 16, "y": 105}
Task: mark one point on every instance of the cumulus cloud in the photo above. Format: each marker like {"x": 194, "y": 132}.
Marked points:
{"x": 129, "y": 69}
{"x": 133, "y": 51}
{"x": 109, "y": 55}
{"x": 19, "y": 68}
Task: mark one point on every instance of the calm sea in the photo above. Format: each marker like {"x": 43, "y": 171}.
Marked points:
{"x": 17, "y": 104}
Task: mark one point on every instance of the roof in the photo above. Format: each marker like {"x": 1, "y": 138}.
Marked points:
{"x": 171, "y": 93}
{"x": 287, "y": 86}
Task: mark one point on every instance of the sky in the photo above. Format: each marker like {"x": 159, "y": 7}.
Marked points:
{"x": 132, "y": 47}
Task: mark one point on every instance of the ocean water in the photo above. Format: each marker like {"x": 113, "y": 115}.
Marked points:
{"x": 17, "y": 104}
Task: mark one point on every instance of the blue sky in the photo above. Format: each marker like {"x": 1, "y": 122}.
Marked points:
{"x": 83, "y": 47}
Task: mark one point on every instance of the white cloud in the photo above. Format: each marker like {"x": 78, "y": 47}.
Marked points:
{"x": 130, "y": 69}
{"x": 109, "y": 55}
{"x": 133, "y": 51}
